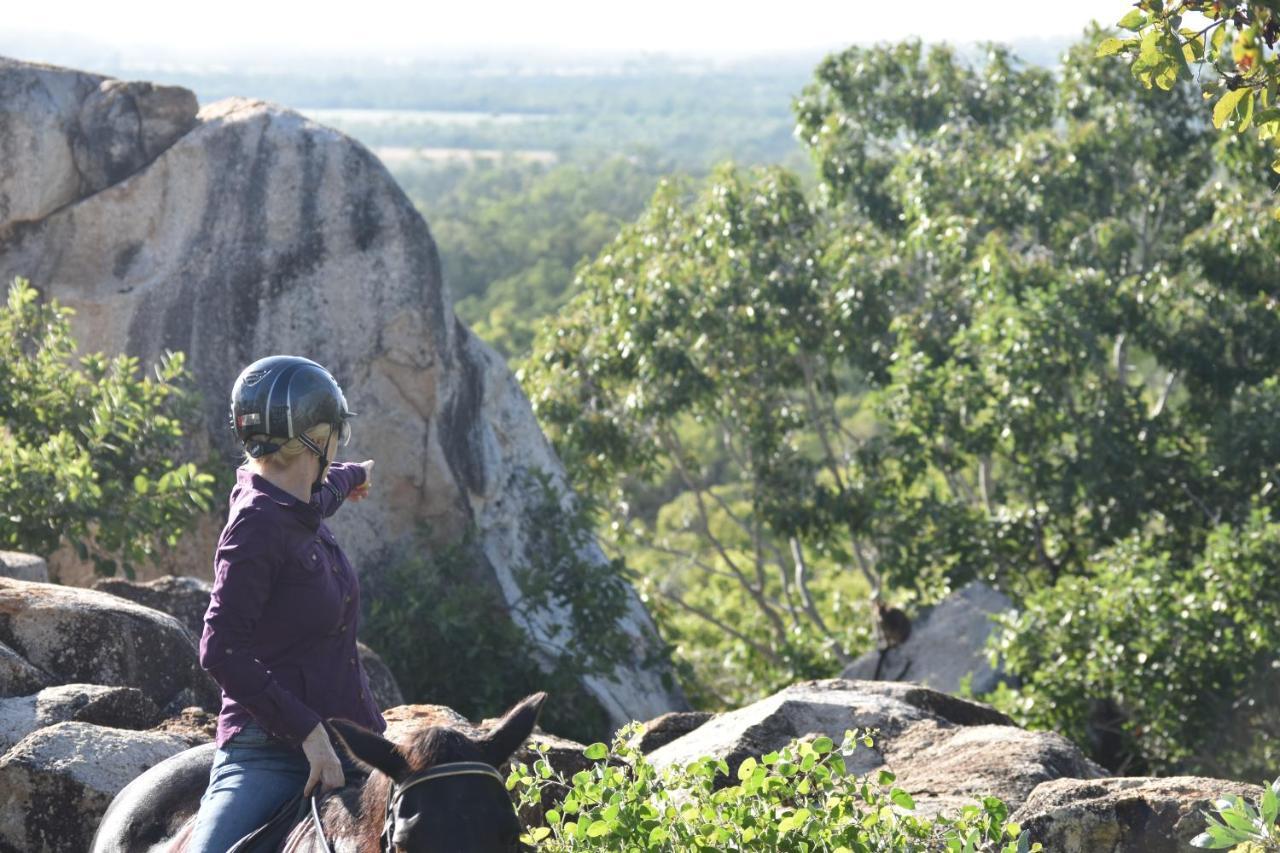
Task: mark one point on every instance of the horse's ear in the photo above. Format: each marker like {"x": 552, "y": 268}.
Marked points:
{"x": 512, "y": 730}
{"x": 371, "y": 749}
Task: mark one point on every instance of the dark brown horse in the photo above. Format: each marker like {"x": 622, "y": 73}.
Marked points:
{"x": 439, "y": 793}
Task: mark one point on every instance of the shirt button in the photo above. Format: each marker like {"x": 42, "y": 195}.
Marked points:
{"x": 313, "y": 558}
{"x": 353, "y": 661}
{"x": 342, "y": 628}
{"x": 346, "y": 600}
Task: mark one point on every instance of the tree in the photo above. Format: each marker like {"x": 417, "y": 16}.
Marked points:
{"x": 86, "y": 446}
{"x": 1232, "y": 41}
{"x": 1024, "y": 323}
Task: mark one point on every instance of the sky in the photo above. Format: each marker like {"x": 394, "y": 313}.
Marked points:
{"x": 142, "y": 32}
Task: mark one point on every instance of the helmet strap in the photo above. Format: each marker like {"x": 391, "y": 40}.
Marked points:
{"x": 324, "y": 459}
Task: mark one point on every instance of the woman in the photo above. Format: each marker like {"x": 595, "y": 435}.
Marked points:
{"x": 280, "y": 631}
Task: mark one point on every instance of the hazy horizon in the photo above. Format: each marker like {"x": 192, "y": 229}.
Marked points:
{"x": 386, "y": 35}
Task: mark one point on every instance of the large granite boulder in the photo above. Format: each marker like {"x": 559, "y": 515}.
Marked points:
{"x": 17, "y": 676}
{"x": 66, "y": 136}
{"x": 256, "y": 232}
{"x": 662, "y": 730}
{"x": 383, "y": 685}
{"x": 117, "y": 707}
{"x": 1124, "y": 815}
{"x": 56, "y": 783}
{"x": 184, "y": 598}
{"x": 79, "y": 636}
{"x": 944, "y": 751}
{"x": 947, "y": 645}
{"x": 23, "y": 567}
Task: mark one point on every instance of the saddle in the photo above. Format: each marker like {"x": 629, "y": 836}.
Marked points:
{"x": 268, "y": 837}
{"x": 297, "y": 809}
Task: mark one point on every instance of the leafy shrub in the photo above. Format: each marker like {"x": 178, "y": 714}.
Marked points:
{"x": 799, "y": 798}
{"x": 87, "y": 446}
{"x": 1245, "y": 827}
{"x": 1172, "y": 646}
{"x": 437, "y": 617}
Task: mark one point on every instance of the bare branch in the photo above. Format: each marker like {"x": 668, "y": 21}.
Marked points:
{"x": 802, "y": 584}
{"x": 761, "y": 650}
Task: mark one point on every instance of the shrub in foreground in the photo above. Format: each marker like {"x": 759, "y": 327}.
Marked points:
{"x": 800, "y": 798}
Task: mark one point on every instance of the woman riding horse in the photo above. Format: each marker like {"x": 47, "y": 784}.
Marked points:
{"x": 280, "y": 631}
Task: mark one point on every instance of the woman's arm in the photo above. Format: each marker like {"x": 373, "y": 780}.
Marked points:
{"x": 338, "y": 483}
{"x": 245, "y": 570}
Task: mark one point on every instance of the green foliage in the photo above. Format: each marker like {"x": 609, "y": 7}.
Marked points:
{"x": 799, "y": 798}
{"x": 437, "y": 617}
{"x": 1026, "y": 329}
{"x": 87, "y": 446}
{"x": 1173, "y": 643}
{"x": 1232, "y": 41}
{"x": 511, "y": 233}
{"x": 1244, "y": 826}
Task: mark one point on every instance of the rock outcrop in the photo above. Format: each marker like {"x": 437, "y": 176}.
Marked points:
{"x": 254, "y": 231}
{"x": 661, "y": 731}
{"x": 56, "y": 783}
{"x": 116, "y": 707}
{"x": 78, "y": 636}
{"x": 1124, "y": 815}
{"x": 184, "y": 598}
{"x": 944, "y": 751}
{"x": 23, "y": 567}
{"x": 947, "y": 645}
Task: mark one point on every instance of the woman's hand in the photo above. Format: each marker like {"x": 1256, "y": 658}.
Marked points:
{"x": 326, "y": 769}
{"x": 361, "y": 491}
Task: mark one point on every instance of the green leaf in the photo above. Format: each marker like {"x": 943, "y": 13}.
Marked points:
{"x": 1246, "y": 113}
{"x": 902, "y": 799}
{"x": 746, "y": 768}
{"x": 1226, "y": 106}
{"x": 1112, "y": 46}
{"x": 1133, "y": 21}
{"x": 596, "y": 751}
{"x": 1218, "y": 38}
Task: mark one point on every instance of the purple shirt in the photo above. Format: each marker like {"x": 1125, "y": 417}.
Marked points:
{"x": 280, "y": 631}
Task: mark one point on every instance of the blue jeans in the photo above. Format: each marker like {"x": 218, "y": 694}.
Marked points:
{"x": 253, "y": 775}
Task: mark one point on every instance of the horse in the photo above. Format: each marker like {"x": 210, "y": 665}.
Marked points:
{"x": 439, "y": 792}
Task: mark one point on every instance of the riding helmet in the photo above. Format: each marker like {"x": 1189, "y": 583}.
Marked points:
{"x": 281, "y": 397}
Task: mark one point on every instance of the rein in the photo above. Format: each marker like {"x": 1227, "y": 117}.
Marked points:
{"x": 397, "y": 790}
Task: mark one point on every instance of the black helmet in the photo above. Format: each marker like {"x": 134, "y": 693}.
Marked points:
{"x": 281, "y": 397}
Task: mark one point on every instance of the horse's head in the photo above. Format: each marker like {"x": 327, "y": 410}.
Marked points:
{"x": 442, "y": 792}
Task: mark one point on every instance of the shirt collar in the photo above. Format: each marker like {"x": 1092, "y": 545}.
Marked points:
{"x": 305, "y": 511}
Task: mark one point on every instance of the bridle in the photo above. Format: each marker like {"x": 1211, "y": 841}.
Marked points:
{"x": 397, "y": 790}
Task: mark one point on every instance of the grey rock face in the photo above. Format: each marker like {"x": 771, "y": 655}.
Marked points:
{"x": 661, "y": 731}
{"x": 116, "y": 707}
{"x": 258, "y": 232}
{"x": 65, "y": 134}
{"x": 23, "y": 567}
{"x": 1124, "y": 815}
{"x": 386, "y": 692}
{"x": 946, "y": 645}
{"x": 944, "y": 750}
{"x": 184, "y": 598}
{"x": 124, "y": 125}
{"x": 58, "y": 782}
{"x": 17, "y": 676}
{"x": 86, "y": 637}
